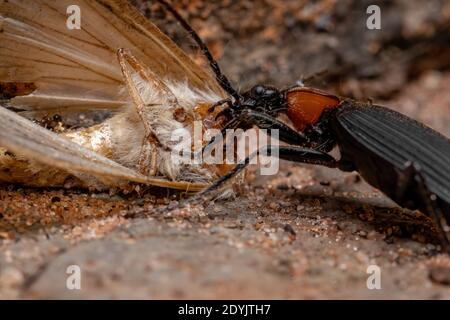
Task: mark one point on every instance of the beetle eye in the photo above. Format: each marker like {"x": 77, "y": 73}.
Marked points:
{"x": 259, "y": 90}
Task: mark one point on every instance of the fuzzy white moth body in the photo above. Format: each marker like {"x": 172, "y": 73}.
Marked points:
{"x": 115, "y": 60}
{"x": 121, "y": 138}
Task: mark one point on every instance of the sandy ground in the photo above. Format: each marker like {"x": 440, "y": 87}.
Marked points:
{"x": 305, "y": 233}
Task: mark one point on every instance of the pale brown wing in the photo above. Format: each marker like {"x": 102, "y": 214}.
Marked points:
{"x": 33, "y": 142}
{"x": 78, "y": 69}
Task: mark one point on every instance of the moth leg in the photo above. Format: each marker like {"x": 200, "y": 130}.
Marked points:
{"x": 148, "y": 157}
{"x": 412, "y": 177}
{"x": 129, "y": 65}
{"x": 219, "y": 103}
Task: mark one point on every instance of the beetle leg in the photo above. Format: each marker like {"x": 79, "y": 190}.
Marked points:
{"x": 290, "y": 153}
{"x": 412, "y": 175}
{"x": 263, "y": 121}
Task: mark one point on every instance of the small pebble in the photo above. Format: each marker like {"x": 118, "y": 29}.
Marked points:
{"x": 440, "y": 275}
{"x": 288, "y": 228}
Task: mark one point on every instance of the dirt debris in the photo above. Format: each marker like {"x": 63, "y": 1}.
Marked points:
{"x": 305, "y": 240}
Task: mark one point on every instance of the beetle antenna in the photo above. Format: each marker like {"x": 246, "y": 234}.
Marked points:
{"x": 221, "y": 78}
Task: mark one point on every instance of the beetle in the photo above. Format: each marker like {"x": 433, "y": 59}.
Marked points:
{"x": 406, "y": 160}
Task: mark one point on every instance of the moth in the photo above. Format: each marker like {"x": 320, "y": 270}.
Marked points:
{"x": 116, "y": 61}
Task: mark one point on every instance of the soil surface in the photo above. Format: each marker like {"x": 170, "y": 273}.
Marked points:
{"x": 307, "y": 232}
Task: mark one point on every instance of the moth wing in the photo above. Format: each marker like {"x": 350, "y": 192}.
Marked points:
{"x": 76, "y": 69}
{"x": 32, "y": 141}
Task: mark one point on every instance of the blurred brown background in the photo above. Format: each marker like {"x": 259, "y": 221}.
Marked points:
{"x": 281, "y": 42}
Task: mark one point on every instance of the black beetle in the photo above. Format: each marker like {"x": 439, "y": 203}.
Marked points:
{"x": 403, "y": 158}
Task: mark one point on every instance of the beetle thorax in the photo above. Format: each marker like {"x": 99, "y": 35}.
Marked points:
{"x": 306, "y": 106}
